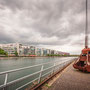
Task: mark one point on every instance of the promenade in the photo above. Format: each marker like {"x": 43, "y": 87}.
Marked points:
{"x": 71, "y": 79}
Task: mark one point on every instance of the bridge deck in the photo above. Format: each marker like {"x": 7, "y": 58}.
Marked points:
{"x": 72, "y": 79}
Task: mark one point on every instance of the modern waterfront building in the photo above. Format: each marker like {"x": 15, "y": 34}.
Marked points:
{"x": 56, "y": 52}
{"x": 39, "y": 52}
{"x": 26, "y": 50}
{"x": 11, "y": 48}
{"x": 32, "y": 50}
{"x": 48, "y": 51}
{"x": 44, "y": 52}
{"x": 52, "y": 52}
{"x": 63, "y": 53}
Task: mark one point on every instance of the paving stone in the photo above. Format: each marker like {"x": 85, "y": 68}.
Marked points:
{"x": 72, "y": 79}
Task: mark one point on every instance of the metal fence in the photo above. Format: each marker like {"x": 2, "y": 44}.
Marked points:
{"x": 42, "y": 74}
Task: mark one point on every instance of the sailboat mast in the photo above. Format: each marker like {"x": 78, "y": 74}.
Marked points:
{"x": 86, "y": 27}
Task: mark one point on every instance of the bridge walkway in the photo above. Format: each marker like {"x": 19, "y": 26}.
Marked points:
{"x": 71, "y": 79}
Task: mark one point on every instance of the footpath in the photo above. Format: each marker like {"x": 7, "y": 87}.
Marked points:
{"x": 71, "y": 79}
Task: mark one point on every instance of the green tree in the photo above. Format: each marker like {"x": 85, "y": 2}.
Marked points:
{"x": 16, "y": 53}
{"x": 2, "y": 52}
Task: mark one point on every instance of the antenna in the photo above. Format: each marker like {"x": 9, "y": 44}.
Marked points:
{"x": 86, "y": 27}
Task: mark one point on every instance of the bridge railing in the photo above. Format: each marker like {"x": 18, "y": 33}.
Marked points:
{"x": 57, "y": 65}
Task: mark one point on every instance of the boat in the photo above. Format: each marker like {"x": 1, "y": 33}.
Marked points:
{"x": 83, "y": 62}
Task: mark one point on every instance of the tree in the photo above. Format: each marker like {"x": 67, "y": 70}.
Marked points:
{"x": 2, "y": 52}
{"x": 16, "y": 53}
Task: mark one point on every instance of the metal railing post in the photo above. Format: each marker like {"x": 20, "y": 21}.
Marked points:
{"x": 40, "y": 74}
{"x": 5, "y": 82}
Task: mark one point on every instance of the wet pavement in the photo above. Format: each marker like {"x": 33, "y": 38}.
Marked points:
{"x": 72, "y": 79}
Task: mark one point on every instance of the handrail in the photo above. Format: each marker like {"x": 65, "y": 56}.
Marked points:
{"x": 27, "y": 76}
{"x": 42, "y": 75}
{"x": 1, "y": 73}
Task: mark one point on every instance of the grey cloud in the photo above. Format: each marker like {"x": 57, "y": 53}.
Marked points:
{"x": 13, "y": 4}
{"x": 44, "y": 19}
{"x": 4, "y": 37}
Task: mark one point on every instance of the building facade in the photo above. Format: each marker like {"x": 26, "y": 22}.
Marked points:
{"x": 11, "y": 48}
{"x": 26, "y": 50}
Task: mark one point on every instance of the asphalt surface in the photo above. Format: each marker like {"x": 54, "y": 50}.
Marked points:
{"x": 72, "y": 79}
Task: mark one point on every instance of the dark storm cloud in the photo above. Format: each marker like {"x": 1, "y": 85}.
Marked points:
{"x": 12, "y": 4}
{"x": 45, "y": 22}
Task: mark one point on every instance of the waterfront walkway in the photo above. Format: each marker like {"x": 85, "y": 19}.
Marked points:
{"x": 71, "y": 79}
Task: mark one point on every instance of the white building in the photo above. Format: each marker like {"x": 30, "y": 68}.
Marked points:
{"x": 25, "y": 50}
{"x": 11, "y": 48}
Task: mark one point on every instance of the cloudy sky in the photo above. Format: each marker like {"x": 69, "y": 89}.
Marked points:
{"x": 53, "y": 24}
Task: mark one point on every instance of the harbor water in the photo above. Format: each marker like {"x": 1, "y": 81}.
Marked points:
{"x": 20, "y": 62}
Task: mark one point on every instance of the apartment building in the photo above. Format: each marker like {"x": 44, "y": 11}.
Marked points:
{"x": 26, "y": 50}
{"x": 11, "y": 48}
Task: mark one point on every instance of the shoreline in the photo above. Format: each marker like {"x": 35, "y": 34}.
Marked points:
{"x": 4, "y": 57}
